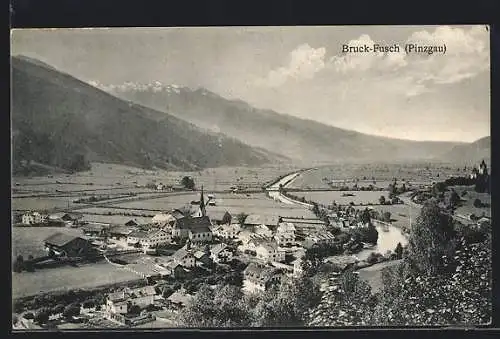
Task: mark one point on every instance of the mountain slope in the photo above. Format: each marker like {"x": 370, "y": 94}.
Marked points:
{"x": 474, "y": 152}
{"x": 305, "y": 140}
{"x": 60, "y": 121}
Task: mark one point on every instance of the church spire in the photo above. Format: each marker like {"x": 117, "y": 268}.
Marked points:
{"x": 202, "y": 203}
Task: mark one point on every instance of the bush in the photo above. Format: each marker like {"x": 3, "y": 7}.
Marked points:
{"x": 28, "y": 315}
{"x": 71, "y": 311}
{"x": 373, "y": 258}
{"x": 478, "y": 203}
{"x": 88, "y": 303}
{"x": 41, "y": 317}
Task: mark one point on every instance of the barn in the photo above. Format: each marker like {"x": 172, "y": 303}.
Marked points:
{"x": 68, "y": 245}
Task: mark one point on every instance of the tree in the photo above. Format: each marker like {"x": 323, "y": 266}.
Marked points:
{"x": 41, "y": 317}
{"x": 386, "y": 216}
{"x": 431, "y": 239}
{"x": 18, "y": 264}
{"x": 454, "y": 199}
{"x": 241, "y": 217}
{"x": 71, "y": 310}
{"x": 399, "y": 251}
{"x": 382, "y": 200}
{"x": 28, "y": 315}
{"x": 478, "y": 203}
{"x": 222, "y": 307}
{"x": 188, "y": 182}
{"x": 134, "y": 309}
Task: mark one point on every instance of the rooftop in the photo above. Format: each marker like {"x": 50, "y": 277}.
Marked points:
{"x": 60, "y": 239}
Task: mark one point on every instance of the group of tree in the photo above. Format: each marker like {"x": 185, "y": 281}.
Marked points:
{"x": 444, "y": 278}
{"x": 20, "y": 264}
{"x": 188, "y": 183}
{"x": 284, "y": 305}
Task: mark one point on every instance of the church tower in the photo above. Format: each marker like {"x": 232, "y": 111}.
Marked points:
{"x": 202, "y": 212}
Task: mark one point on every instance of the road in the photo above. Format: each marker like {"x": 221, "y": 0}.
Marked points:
{"x": 274, "y": 190}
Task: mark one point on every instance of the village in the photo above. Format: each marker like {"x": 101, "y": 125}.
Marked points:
{"x": 180, "y": 248}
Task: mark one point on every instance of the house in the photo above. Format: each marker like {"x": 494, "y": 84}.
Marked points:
{"x": 149, "y": 239}
{"x": 202, "y": 258}
{"x": 253, "y": 220}
{"x": 67, "y": 245}
{"x": 263, "y": 230}
{"x": 319, "y": 238}
{"x": 200, "y": 233}
{"x": 219, "y": 217}
{"x": 261, "y": 277}
{"x": 131, "y": 223}
{"x": 167, "y": 218}
{"x": 160, "y": 187}
{"x": 173, "y": 269}
{"x": 117, "y": 303}
{"x": 227, "y": 231}
{"x": 221, "y": 253}
{"x": 31, "y": 218}
{"x": 72, "y": 217}
{"x": 297, "y": 267}
{"x": 95, "y": 230}
{"x": 285, "y": 234}
{"x": 269, "y": 251}
{"x": 119, "y": 232}
{"x": 185, "y": 256}
{"x": 179, "y": 299}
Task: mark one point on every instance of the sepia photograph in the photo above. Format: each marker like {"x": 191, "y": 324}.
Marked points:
{"x": 250, "y": 177}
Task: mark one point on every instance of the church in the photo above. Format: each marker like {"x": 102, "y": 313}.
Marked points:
{"x": 196, "y": 227}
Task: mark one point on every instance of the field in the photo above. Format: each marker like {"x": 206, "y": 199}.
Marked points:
{"x": 400, "y": 214}
{"x": 59, "y": 191}
{"x": 256, "y": 203}
{"x": 360, "y": 197}
{"x": 467, "y": 207}
{"x": 67, "y": 277}
{"x": 373, "y": 274}
{"x": 29, "y": 240}
{"x": 383, "y": 174}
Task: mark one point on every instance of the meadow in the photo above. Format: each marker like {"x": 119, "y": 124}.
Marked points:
{"x": 29, "y": 240}
{"x": 67, "y": 278}
{"x": 383, "y": 174}
{"x": 360, "y": 197}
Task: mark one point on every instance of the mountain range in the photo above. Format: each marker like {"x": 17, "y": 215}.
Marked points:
{"x": 60, "y": 121}
{"x": 305, "y": 141}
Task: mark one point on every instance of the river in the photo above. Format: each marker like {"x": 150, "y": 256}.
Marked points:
{"x": 387, "y": 241}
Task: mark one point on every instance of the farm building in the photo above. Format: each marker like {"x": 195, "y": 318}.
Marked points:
{"x": 131, "y": 223}
{"x": 270, "y": 221}
{"x": 174, "y": 269}
{"x": 72, "y": 217}
{"x": 94, "y": 229}
{"x": 268, "y": 251}
{"x": 261, "y": 277}
{"x": 219, "y": 217}
{"x": 179, "y": 299}
{"x": 319, "y": 238}
{"x": 285, "y": 234}
{"x": 117, "y": 303}
{"x": 227, "y": 231}
{"x": 31, "y": 218}
{"x": 202, "y": 257}
{"x": 148, "y": 239}
{"x": 119, "y": 232}
{"x": 221, "y": 253}
{"x": 71, "y": 246}
{"x": 167, "y": 218}
{"x": 185, "y": 257}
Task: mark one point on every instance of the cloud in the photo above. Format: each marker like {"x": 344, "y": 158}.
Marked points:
{"x": 304, "y": 62}
{"x": 348, "y": 62}
{"x": 467, "y": 54}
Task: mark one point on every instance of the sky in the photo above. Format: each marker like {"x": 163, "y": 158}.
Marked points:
{"x": 298, "y": 70}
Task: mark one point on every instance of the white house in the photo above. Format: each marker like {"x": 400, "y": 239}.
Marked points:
{"x": 185, "y": 257}
{"x": 149, "y": 239}
{"x": 297, "y": 267}
{"x": 221, "y": 253}
{"x": 227, "y": 231}
{"x": 269, "y": 252}
{"x": 32, "y": 218}
{"x": 117, "y": 303}
{"x": 285, "y": 234}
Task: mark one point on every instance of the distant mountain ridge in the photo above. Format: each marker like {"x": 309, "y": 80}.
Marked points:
{"x": 303, "y": 140}
{"x": 60, "y": 121}
{"x": 473, "y": 152}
